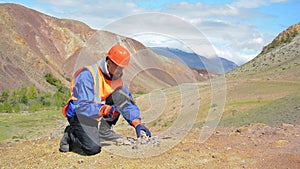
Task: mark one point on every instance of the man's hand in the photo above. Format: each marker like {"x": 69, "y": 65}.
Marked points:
{"x": 141, "y": 127}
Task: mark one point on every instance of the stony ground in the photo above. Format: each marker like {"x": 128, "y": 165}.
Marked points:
{"x": 255, "y": 146}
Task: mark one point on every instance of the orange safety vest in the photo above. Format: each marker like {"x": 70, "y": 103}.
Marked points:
{"x": 102, "y": 86}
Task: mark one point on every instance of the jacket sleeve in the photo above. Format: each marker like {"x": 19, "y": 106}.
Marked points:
{"x": 84, "y": 92}
{"x": 130, "y": 111}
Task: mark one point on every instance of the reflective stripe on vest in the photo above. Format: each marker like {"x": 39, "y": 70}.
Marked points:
{"x": 102, "y": 87}
{"x": 97, "y": 96}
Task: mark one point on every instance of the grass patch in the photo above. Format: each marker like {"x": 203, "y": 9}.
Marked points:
{"x": 283, "y": 110}
{"x": 257, "y": 101}
{"x": 140, "y": 92}
{"x": 243, "y": 102}
{"x": 18, "y": 126}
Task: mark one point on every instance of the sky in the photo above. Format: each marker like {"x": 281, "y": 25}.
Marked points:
{"x": 235, "y": 29}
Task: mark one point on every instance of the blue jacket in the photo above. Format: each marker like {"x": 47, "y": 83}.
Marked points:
{"x": 83, "y": 90}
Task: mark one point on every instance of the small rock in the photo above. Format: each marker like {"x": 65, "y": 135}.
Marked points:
{"x": 155, "y": 141}
{"x": 143, "y": 141}
{"x": 166, "y": 137}
{"x": 127, "y": 143}
{"x": 135, "y": 147}
{"x": 238, "y": 131}
{"x": 203, "y": 161}
{"x": 80, "y": 161}
{"x": 281, "y": 143}
{"x": 285, "y": 125}
{"x": 131, "y": 140}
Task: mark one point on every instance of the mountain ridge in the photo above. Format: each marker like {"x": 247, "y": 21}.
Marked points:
{"x": 196, "y": 61}
{"x": 31, "y": 45}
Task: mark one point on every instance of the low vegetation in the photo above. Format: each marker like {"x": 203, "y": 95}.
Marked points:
{"x": 275, "y": 113}
{"x": 29, "y": 99}
{"x": 26, "y": 126}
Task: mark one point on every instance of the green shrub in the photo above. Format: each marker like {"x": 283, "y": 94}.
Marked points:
{"x": 16, "y": 108}
{"x": 30, "y": 99}
{"x": 32, "y": 92}
{"x": 24, "y": 99}
{"x": 139, "y": 92}
{"x": 34, "y": 107}
{"x": 5, "y": 108}
{"x": 4, "y": 96}
{"x": 50, "y": 79}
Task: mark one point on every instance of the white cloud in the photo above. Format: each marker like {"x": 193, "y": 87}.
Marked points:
{"x": 160, "y": 40}
{"x": 94, "y": 13}
{"x": 238, "y": 58}
{"x": 226, "y": 25}
{"x": 237, "y": 39}
{"x": 249, "y": 4}
{"x": 222, "y": 24}
{"x": 165, "y": 25}
{"x": 65, "y": 3}
{"x": 255, "y": 3}
{"x": 201, "y": 10}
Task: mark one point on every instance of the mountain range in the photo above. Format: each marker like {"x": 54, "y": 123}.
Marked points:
{"x": 197, "y": 61}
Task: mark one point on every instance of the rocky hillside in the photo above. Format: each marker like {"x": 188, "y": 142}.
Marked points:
{"x": 267, "y": 89}
{"x": 33, "y": 44}
{"x": 284, "y": 37}
{"x": 279, "y": 59}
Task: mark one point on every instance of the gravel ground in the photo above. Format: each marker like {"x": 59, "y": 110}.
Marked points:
{"x": 255, "y": 146}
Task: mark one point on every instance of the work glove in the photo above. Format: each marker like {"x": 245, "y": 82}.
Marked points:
{"x": 141, "y": 127}
{"x": 108, "y": 111}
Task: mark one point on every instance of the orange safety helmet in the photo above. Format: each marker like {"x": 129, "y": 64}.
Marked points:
{"x": 119, "y": 55}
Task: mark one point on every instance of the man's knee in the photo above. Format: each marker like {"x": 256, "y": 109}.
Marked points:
{"x": 92, "y": 149}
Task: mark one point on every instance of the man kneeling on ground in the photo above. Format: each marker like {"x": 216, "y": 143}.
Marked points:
{"x": 98, "y": 92}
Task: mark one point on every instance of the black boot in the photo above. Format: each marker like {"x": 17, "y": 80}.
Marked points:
{"x": 106, "y": 133}
{"x": 65, "y": 141}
